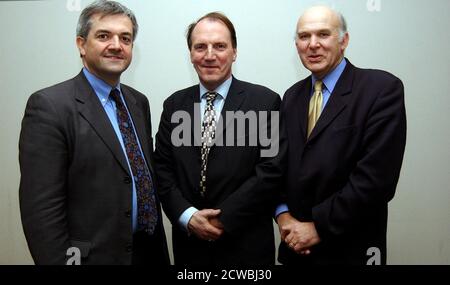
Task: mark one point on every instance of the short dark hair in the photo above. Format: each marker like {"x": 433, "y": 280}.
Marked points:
{"x": 213, "y": 16}
{"x": 103, "y": 8}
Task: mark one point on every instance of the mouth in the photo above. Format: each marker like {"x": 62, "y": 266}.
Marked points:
{"x": 209, "y": 67}
{"x": 114, "y": 57}
{"x": 315, "y": 58}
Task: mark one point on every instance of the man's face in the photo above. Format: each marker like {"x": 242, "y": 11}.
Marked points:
{"x": 107, "y": 51}
{"x": 212, "y": 53}
{"x": 317, "y": 41}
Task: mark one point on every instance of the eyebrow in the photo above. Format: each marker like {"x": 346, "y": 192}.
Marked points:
{"x": 314, "y": 31}
{"x": 109, "y": 32}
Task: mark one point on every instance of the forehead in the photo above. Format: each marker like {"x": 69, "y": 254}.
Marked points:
{"x": 114, "y": 23}
{"x": 318, "y": 19}
{"x": 210, "y": 30}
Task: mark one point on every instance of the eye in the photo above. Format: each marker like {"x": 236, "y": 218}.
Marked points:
{"x": 102, "y": 36}
{"x": 221, "y": 46}
{"x": 126, "y": 39}
{"x": 199, "y": 47}
{"x": 303, "y": 37}
{"x": 324, "y": 35}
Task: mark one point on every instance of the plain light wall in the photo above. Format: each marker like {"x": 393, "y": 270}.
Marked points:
{"x": 408, "y": 38}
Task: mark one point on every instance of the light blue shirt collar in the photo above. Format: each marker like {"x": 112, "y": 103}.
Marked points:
{"x": 101, "y": 88}
{"x": 330, "y": 80}
{"x": 222, "y": 90}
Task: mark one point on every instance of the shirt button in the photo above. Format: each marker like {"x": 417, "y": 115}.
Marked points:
{"x": 129, "y": 247}
{"x": 128, "y": 214}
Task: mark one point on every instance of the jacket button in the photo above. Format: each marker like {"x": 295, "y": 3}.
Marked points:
{"x": 127, "y": 180}
{"x": 129, "y": 247}
{"x": 128, "y": 214}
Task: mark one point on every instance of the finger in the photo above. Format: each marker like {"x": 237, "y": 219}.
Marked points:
{"x": 305, "y": 252}
{"x": 212, "y": 212}
{"x": 289, "y": 238}
{"x": 283, "y": 233}
{"x": 214, "y": 231}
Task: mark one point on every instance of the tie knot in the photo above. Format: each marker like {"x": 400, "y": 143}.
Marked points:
{"x": 115, "y": 95}
{"x": 211, "y": 96}
{"x": 318, "y": 86}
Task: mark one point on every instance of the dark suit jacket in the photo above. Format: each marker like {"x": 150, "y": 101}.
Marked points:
{"x": 239, "y": 182}
{"x": 75, "y": 187}
{"x": 343, "y": 176}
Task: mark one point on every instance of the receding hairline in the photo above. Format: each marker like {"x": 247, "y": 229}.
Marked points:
{"x": 342, "y": 25}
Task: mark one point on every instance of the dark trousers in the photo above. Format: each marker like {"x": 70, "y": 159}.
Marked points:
{"x": 149, "y": 250}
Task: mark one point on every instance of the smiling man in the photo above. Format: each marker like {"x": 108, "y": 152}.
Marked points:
{"x": 218, "y": 198}
{"x": 85, "y": 155}
{"x": 346, "y": 130}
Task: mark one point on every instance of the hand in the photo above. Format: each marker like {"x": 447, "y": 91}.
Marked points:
{"x": 205, "y": 224}
{"x": 216, "y": 222}
{"x": 285, "y": 223}
{"x": 297, "y": 235}
{"x": 302, "y": 236}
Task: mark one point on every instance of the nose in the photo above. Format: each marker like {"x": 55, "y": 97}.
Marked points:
{"x": 115, "y": 43}
{"x": 209, "y": 53}
{"x": 314, "y": 43}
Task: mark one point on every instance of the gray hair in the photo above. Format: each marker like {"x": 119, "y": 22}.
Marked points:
{"x": 103, "y": 8}
{"x": 342, "y": 25}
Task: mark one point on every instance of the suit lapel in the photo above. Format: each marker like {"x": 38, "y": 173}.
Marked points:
{"x": 337, "y": 101}
{"x": 300, "y": 108}
{"x": 233, "y": 101}
{"x": 91, "y": 109}
{"x": 192, "y": 102}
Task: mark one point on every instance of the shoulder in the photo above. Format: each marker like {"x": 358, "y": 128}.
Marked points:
{"x": 375, "y": 75}
{"x": 59, "y": 94}
{"x": 257, "y": 93}
{"x": 296, "y": 88}
{"x": 182, "y": 97}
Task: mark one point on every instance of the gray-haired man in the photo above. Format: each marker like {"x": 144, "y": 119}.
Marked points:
{"x": 85, "y": 151}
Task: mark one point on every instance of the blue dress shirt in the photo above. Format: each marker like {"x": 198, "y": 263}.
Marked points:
{"x": 102, "y": 90}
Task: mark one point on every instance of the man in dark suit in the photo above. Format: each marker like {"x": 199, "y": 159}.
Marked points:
{"x": 346, "y": 130}
{"x": 219, "y": 198}
{"x": 85, "y": 155}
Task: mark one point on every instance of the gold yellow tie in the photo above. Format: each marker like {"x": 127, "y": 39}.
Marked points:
{"x": 315, "y": 106}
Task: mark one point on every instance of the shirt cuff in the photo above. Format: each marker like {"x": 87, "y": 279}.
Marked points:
{"x": 282, "y": 208}
{"x": 185, "y": 217}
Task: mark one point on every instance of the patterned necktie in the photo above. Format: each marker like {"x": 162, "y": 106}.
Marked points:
{"x": 315, "y": 106}
{"x": 147, "y": 211}
{"x": 208, "y": 133}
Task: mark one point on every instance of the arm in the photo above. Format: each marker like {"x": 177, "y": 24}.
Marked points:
{"x": 173, "y": 201}
{"x": 43, "y": 158}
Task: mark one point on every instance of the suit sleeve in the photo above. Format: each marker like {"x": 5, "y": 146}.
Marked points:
{"x": 257, "y": 196}
{"x": 372, "y": 182}
{"x": 43, "y": 158}
{"x": 174, "y": 204}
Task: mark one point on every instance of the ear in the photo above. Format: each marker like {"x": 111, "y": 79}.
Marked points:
{"x": 344, "y": 42}
{"x": 234, "y": 54}
{"x": 80, "y": 41}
